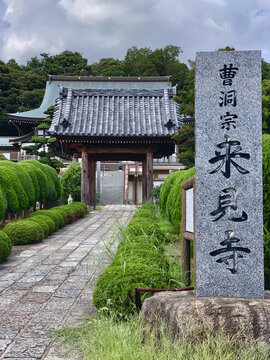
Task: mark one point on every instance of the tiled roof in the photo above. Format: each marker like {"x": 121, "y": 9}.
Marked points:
{"x": 116, "y": 113}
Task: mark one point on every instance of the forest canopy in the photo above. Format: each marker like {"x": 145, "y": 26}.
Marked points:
{"x": 22, "y": 86}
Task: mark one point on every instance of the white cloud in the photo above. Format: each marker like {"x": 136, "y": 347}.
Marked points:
{"x": 103, "y": 28}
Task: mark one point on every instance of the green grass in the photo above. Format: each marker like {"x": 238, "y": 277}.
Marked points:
{"x": 105, "y": 338}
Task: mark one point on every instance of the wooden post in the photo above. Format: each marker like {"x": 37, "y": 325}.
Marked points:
{"x": 144, "y": 181}
{"x": 92, "y": 183}
{"x": 85, "y": 179}
{"x": 149, "y": 175}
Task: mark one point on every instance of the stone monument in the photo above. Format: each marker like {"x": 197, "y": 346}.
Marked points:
{"x": 229, "y": 218}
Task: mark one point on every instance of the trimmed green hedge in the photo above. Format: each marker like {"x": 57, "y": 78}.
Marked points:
{"x": 266, "y": 207}
{"x": 5, "y": 246}
{"x": 12, "y": 201}
{"x": 24, "y": 179}
{"x": 32, "y": 172}
{"x": 165, "y": 190}
{"x": 3, "y": 203}
{"x": 115, "y": 287}
{"x": 139, "y": 263}
{"x": 45, "y": 222}
{"x": 174, "y": 200}
{"x": 23, "y": 232}
{"x": 57, "y": 219}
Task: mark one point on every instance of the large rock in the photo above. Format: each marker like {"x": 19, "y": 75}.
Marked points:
{"x": 184, "y": 312}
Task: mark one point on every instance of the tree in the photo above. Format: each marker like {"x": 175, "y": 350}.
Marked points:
{"x": 47, "y": 156}
{"x": 71, "y": 183}
{"x": 186, "y": 146}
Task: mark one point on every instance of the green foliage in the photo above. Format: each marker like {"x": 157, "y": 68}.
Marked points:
{"x": 266, "y": 206}
{"x": 24, "y": 178}
{"x": 266, "y": 105}
{"x": 165, "y": 190}
{"x": 39, "y": 140}
{"x": 42, "y": 182}
{"x": 23, "y": 232}
{"x": 156, "y": 193}
{"x": 140, "y": 226}
{"x": 5, "y": 246}
{"x": 45, "y": 222}
{"x": 174, "y": 201}
{"x": 3, "y": 203}
{"x": 61, "y": 214}
{"x": 13, "y": 206}
{"x": 56, "y": 218}
{"x": 43, "y": 126}
{"x": 49, "y": 190}
{"x": 70, "y": 216}
{"x": 115, "y": 287}
{"x": 40, "y": 220}
{"x": 79, "y": 209}
{"x": 71, "y": 182}
{"x": 186, "y": 145}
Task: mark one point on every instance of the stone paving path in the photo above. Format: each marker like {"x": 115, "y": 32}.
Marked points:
{"x": 49, "y": 285}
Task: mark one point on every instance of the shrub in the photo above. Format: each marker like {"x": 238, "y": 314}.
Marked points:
{"x": 63, "y": 218}
{"x": 3, "y": 203}
{"x": 71, "y": 183}
{"x": 12, "y": 201}
{"x": 143, "y": 241}
{"x": 45, "y": 222}
{"x": 31, "y": 170}
{"x": 79, "y": 209}
{"x": 115, "y": 287}
{"x": 174, "y": 201}
{"x": 56, "y": 218}
{"x": 165, "y": 189}
{"x": 17, "y": 186}
{"x": 51, "y": 194}
{"x": 140, "y": 226}
{"x": 25, "y": 180}
{"x": 23, "y": 232}
{"x": 70, "y": 214}
{"x": 53, "y": 174}
{"x": 146, "y": 214}
{"x": 41, "y": 178}
{"x": 5, "y": 246}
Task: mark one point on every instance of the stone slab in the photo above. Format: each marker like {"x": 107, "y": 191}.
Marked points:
{"x": 229, "y": 221}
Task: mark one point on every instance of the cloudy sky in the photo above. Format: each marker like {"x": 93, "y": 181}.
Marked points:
{"x": 107, "y": 28}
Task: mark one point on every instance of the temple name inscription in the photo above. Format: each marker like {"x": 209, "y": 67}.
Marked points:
{"x": 229, "y": 235}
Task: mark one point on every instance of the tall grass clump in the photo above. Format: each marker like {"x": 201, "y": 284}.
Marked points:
{"x": 107, "y": 338}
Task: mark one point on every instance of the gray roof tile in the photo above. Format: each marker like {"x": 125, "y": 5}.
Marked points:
{"x": 116, "y": 113}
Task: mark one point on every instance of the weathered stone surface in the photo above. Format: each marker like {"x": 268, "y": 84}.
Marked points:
{"x": 229, "y": 221}
{"x": 183, "y": 311}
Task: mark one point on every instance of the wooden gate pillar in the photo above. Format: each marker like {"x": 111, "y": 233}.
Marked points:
{"x": 149, "y": 175}
{"x": 144, "y": 181}
{"x": 85, "y": 179}
{"x": 92, "y": 185}
{"x": 88, "y": 180}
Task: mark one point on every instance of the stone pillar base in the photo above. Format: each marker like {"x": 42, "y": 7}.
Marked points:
{"x": 184, "y": 312}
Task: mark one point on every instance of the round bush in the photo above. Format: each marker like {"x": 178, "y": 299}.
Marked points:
{"x": 140, "y": 226}
{"x": 149, "y": 255}
{"x": 9, "y": 192}
{"x": 143, "y": 240}
{"x": 69, "y": 213}
{"x": 51, "y": 193}
{"x": 53, "y": 174}
{"x": 62, "y": 215}
{"x": 32, "y": 172}
{"x": 53, "y": 215}
{"x": 45, "y": 222}
{"x": 23, "y": 232}
{"x": 24, "y": 178}
{"x": 115, "y": 288}
{"x": 41, "y": 218}
{"x": 79, "y": 209}
{"x": 3, "y": 203}
{"x": 5, "y": 246}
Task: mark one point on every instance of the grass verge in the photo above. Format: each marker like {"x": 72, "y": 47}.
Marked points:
{"x": 106, "y": 338}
